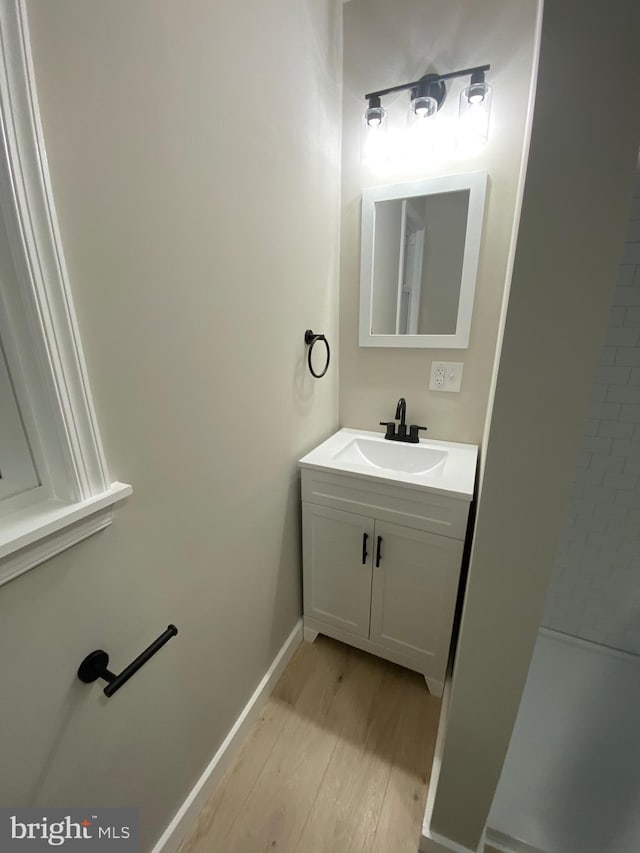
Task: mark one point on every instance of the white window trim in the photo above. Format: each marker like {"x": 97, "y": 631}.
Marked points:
{"x": 18, "y": 472}
{"x": 80, "y": 494}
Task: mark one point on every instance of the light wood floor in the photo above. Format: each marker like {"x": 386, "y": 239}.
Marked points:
{"x": 338, "y": 762}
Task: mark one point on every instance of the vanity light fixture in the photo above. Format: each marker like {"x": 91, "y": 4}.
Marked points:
{"x": 374, "y": 132}
{"x": 375, "y": 114}
{"x": 473, "y": 113}
{"x": 426, "y": 96}
{"x": 476, "y": 92}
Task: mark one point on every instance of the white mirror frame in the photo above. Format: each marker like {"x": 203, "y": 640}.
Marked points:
{"x": 476, "y": 183}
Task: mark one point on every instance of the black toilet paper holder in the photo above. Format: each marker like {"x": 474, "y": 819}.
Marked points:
{"x": 95, "y": 664}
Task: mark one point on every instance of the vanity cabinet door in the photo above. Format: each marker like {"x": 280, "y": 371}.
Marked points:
{"x": 337, "y": 556}
{"x": 415, "y": 584}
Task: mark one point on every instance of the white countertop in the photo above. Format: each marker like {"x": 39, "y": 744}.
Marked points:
{"x": 453, "y": 475}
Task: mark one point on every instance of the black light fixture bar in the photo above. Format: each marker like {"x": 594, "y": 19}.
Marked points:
{"x": 434, "y": 78}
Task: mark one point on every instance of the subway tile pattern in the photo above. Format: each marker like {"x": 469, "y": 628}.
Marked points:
{"x": 595, "y": 588}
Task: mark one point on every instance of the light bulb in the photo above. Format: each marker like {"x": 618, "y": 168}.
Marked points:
{"x": 374, "y": 139}
{"x": 477, "y": 92}
{"x": 424, "y": 107}
{"x": 374, "y": 116}
{"x": 473, "y": 114}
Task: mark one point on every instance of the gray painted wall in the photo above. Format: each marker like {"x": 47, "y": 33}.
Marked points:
{"x": 200, "y": 225}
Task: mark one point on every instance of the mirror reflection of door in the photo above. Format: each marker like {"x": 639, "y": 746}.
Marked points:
{"x": 418, "y": 254}
{"x": 414, "y": 236}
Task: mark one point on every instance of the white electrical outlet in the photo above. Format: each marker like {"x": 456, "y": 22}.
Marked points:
{"x": 446, "y": 376}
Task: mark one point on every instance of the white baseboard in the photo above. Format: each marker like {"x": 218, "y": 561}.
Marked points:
{"x": 188, "y": 812}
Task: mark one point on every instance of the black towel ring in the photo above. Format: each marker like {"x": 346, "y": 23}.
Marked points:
{"x": 310, "y": 338}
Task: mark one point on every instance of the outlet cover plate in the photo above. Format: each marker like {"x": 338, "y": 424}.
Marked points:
{"x": 446, "y": 376}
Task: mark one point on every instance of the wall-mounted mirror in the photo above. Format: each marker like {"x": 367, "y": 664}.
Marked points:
{"x": 420, "y": 249}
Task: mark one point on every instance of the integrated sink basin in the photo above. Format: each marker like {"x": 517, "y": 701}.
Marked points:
{"x": 441, "y": 467}
{"x": 392, "y": 456}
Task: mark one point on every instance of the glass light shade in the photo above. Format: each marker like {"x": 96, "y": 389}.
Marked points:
{"x": 474, "y": 112}
{"x": 375, "y": 116}
{"x": 423, "y": 107}
{"x": 476, "y": 92}
{"x": 422, "y": 137}
{"x": 374, "y": 141}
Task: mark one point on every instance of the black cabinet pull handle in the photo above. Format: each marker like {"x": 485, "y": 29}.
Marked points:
{"x": 379, "y": 552}
{"x": 365, "y": 554}
{"x": 95, "y": 665}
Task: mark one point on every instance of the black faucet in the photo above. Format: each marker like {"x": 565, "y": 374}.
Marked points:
{"x": 401, "y": 435}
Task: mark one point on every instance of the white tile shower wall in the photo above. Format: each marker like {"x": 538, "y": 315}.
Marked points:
{"x": 595, "y": 589}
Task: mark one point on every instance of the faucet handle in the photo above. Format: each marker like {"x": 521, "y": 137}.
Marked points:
{"x": 391, "y": 428}
{"x": 413, "y": 433}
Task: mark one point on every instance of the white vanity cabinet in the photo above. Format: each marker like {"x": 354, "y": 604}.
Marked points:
{"x": 381, "y": 567}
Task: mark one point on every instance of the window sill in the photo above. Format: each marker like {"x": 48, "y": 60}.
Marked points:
{"x": 30, "y": 536}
